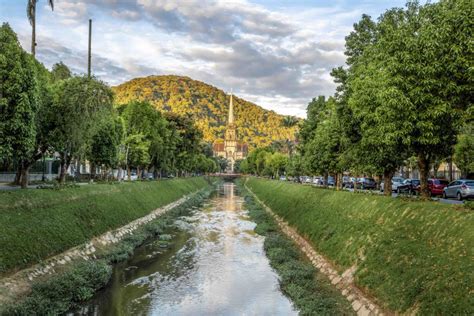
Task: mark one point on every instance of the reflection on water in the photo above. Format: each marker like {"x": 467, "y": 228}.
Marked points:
{"x": 215, "y": 266}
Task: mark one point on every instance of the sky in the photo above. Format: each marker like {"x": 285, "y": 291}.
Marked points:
{"x": 277, "y": 54}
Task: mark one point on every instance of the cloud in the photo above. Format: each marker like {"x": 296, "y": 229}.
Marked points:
{"x": 279, "y": 58}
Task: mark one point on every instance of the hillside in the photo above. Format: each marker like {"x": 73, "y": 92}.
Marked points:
{"x": 208, "y": 105}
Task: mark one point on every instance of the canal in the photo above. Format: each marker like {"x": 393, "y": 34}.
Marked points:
{"x": 212, "y": 264}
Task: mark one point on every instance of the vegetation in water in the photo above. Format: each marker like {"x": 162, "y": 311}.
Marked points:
{"x": 410, "y": 255}
{"x": 63, "y": 292}
{"x": 311, "y": 292}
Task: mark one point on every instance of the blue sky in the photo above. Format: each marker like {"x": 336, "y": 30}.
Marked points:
{"x": 277, "y": 54}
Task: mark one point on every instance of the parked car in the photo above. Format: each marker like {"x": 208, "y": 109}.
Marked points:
{"x": 396, "y": 181}
{"x": 436, "y": 186}
{"x": 318, "y": 181}
{"x": 331, "y": 181}
{"x": 366, "y": 183}
{"x": 346, "y": 180}
{"x": 282, "y": 178}
{"x": 410, "y": 186}
{"x": 460, "y": 189}
{"x": 308, "y": 180}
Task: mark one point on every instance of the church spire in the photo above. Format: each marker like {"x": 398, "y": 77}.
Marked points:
{"x": 231, "y": 110}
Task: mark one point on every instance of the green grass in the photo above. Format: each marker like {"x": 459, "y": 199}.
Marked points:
{"x": 410, "y": 255}
{"x": 36, "y": 224}
{"x": 311, "y": 292}
{"x": 65, "y": 291}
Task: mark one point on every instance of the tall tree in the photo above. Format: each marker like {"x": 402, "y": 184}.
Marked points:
{"x": 31, "y": 13}
{"x": 464, "y": 151}
{"x": 18, "y": 99}
{"x": 79, "y": 104}
{"x": 429, "y": 60}
{"x": 60, "y": 72}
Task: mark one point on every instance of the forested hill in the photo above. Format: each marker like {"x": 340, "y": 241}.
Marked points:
{"x": 208, "y": 105}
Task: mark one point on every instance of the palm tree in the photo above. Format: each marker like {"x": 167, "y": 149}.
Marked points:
{"x": 289, "y": 121}
{"x": 31, "y": 13}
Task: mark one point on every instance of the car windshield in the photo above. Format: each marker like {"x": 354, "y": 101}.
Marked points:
{"x": 470, "y": 183}
{"x": 416, "y": 182}
{"x": 443, "y": 182}
{"x": 397, "y": 180}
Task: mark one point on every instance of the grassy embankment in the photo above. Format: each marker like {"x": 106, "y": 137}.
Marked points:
{"x": 411, "y": 255}
{"x": 36, "y": 224}
{"x": 311, "y": 292}
{"x": 79, "y": 282}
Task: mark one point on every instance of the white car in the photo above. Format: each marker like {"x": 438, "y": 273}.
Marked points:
{"x": 396, "y": 181}
{"x": 318, "y": 180}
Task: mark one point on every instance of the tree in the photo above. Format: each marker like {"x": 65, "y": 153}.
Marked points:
{"x": 141, "y": 118}
{"x": 295, "y": 166}
{"x": 428, "y": 60}
{"x": 18, "y": 100}
{"x": 289, "y": 121}
{"x": 322, "y": 152}
{"x": 31, "y": 13}
{"x": 105, "y": 144}
{"x": 278, "y": 163}
{"x": 79, "y": 104}
{"x": 464, "y": 151}
{"x": 60, "y": 72}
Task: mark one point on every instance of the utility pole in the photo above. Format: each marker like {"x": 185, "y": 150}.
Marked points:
{"x": 33, "y": 25}
{"x": 89, "y": 53}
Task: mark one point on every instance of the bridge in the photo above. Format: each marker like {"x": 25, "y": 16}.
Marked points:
{"x": 228, "y": 176}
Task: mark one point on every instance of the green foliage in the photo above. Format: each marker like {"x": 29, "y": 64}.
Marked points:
{"x": 62, "y": 292}
{"x": 311, "y": 293}
{"x": 105, "y": 144}
{"x": 464, "y": 151}
{"x": 80, "y": 105}
{"x": 208, "y": 108}
{"x": 410, "y": 255}
{"x": 18, "y": 98}
{"x": 60, "y": 72}
{"x": 36, "y": 224}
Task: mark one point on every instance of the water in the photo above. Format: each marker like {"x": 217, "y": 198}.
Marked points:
{"x": 215, "y": 265}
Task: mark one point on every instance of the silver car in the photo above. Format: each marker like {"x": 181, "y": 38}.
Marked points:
{"x": 396, "y": 181}
{"x": 459, "y": 189}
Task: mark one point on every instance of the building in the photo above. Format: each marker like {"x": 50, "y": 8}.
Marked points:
{"x": 231, "y": 148}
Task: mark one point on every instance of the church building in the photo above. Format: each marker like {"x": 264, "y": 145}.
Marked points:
{"x": 231, "y": 148}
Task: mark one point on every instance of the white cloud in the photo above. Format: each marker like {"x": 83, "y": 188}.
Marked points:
{"x": 277, "y": 58}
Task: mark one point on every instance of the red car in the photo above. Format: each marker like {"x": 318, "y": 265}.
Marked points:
{"x": 436, "y": 186}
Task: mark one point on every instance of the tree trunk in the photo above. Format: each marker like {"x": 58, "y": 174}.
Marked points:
{"x": 339, "y": 181}
{"x": 24, "y": 175}
{"x": 17, "y": 180}
{"x": 450, "y": 169}
{"x": 326, "y": 175}
{"x": 387, "y": 183}
{"x": 129, "y": 175}
{"x": 63, "y": 170}
{"x": 93, "y": 170}
{"x": 423, "y": 166}
{"x": 77, "y": 174}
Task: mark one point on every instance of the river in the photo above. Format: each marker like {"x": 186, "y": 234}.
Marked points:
{"x": 214, "y": 265}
